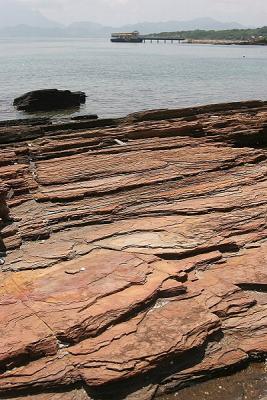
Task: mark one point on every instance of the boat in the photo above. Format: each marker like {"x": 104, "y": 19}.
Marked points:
{"x": 126, "y": 37}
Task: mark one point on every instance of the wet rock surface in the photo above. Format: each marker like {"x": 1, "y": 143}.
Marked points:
{"x": 135, "y": 252}
{"x": 49, "y": 99}
{"x": 249, "y": 384}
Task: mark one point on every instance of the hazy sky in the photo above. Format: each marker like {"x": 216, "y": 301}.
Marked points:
{"x": 249, "y": 12}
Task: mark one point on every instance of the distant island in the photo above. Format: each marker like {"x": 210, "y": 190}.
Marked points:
{"x": 228, "y": 36}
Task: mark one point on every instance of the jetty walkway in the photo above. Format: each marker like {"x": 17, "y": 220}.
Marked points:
{"x": 161, "y": 39}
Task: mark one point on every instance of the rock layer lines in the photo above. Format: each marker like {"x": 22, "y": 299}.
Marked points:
{"x": 133, "y": 251}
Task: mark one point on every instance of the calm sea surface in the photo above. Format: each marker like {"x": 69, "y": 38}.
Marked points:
{"x": 123, "y": 78}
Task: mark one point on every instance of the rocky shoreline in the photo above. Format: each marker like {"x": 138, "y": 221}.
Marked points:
{"x": 134, "y": 252}
{"x": 226, "y": 42}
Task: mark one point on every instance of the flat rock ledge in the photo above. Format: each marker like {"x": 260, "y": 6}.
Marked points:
{"x": 133, "y": 252}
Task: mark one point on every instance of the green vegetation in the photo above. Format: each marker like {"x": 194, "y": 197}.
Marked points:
{"x": 258, "y": 35}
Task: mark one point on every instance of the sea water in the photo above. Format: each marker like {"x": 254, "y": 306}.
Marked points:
{"x": 121, "y": 78}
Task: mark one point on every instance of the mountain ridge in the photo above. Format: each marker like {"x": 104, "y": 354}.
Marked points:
{"x": 14, "y": 13}
{"x": 89, "y": 28}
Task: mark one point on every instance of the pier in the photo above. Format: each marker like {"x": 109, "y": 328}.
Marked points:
{"x": 161, "y": 39}
{"x": 135, "y": 37}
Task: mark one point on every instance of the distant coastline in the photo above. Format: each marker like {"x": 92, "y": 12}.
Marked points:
{"x": 256, "y": 36}
{"x": 226, "y": 42}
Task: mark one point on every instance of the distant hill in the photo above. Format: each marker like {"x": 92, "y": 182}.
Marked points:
{"x": 87, "y": 27}
{"x": 171, "y": 26}
{"x": 21, "y": 20}
{"x": 15, "y": 13}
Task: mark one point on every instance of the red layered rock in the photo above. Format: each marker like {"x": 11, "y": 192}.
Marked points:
{"x": 134, "y": 252}
{"x": 4, "y": 215}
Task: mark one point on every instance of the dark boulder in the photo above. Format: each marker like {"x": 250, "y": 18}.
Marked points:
{"x": 49, "y": 99}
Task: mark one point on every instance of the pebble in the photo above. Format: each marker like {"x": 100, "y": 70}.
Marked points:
{"x": 120, "y": 142}
{"x": 72, "y": 271}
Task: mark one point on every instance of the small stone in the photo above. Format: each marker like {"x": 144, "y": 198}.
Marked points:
{"x": 120, "y": 142}
{"x": 63, "y": 345}
{"x": 10, "y": 194}
{"x": 182, "y": 277}
{"x": 72, "y": 271}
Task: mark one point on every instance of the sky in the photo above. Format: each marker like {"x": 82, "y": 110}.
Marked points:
{"x": 119, "y": 12}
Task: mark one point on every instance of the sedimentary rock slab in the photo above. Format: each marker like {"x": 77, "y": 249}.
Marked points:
{"x": 134, "y": 252}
